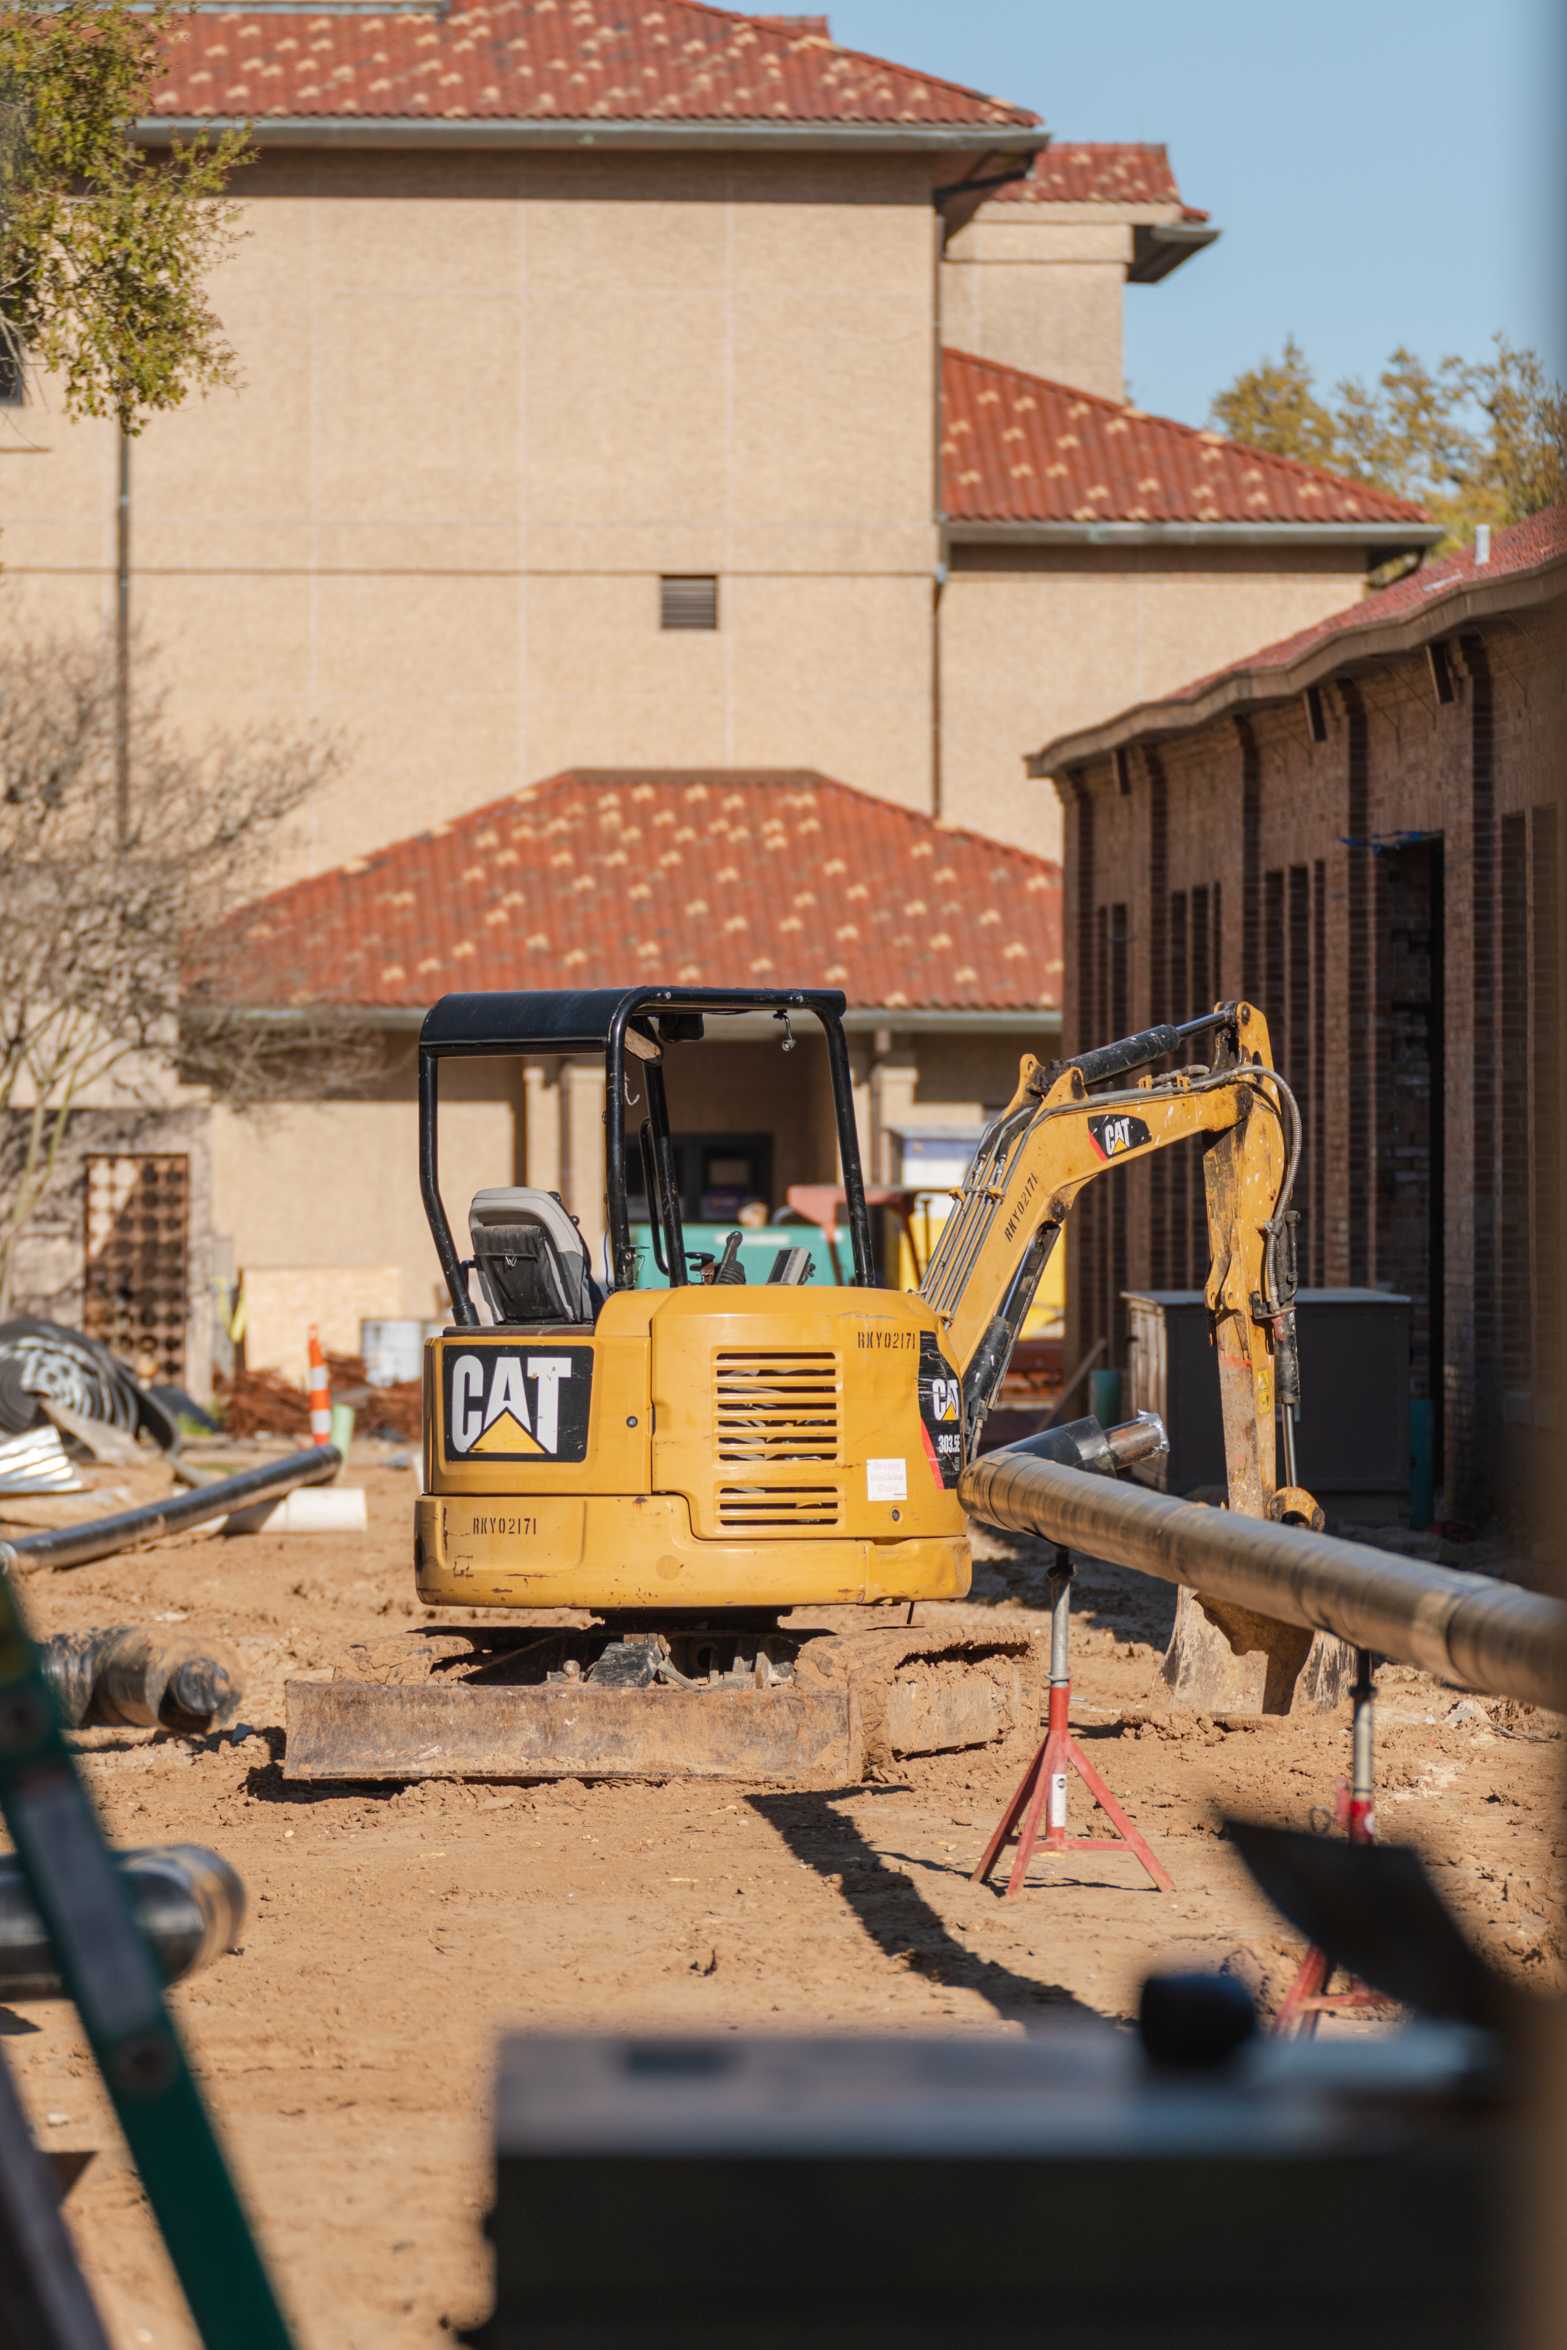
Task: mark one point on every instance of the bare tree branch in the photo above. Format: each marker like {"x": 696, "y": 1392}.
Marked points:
{"x": 118, "y": 985}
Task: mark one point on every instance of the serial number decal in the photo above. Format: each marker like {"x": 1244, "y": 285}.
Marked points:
{"x": 885, "y": 1338}
{"x": 504, "y": 1526}
{"x": 1111, "y": 1135}
{"x": 517, "y": 1403}
{"x": 1023, "y": 1198}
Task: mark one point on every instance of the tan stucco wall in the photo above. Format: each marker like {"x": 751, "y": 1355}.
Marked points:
{"x": 1038, "y": 642}
{"x": 1033, "y": 291}
{"x": 321, "y": 1200}
{"x": 488, "y": 399}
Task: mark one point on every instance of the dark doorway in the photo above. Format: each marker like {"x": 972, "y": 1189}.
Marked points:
{"x": 1408, "y": 1150}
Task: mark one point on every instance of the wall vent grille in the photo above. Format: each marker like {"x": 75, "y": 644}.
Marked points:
{"x": 688, "y": 602}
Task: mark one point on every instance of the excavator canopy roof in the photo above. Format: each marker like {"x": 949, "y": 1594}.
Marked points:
{"x": 581, "y": 1019}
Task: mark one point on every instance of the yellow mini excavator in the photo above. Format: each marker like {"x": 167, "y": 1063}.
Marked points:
{"x": 712, "y": 1526}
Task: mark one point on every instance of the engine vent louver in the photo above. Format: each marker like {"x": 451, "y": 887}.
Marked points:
{"x": 776, "y": 1407}
{"x": 776, "y": 1411}
{"x": 740, "y": 1506}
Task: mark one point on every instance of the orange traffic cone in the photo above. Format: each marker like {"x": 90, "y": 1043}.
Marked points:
{"x": 320, "y": 1392}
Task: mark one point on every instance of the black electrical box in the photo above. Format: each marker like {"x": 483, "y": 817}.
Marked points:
{"x": 1352, "y": 1442}
{"x": 987, "y": 2193}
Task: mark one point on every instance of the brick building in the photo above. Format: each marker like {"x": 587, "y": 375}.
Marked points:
{"x": 1357, "y": 828}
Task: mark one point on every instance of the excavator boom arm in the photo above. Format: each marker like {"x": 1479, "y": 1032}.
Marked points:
{"x": 1056, "y": 1136}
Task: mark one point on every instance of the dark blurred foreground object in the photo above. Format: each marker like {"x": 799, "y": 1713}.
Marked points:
{"x": 40, "y": 1360}
{"x": 188, "y": 1902}
{"x": 1373, "y": 1910}
{"x": 1196, "y": 2186}
{"x": 136, "y": 1679}
{"x": 44, "y": 2303}
{"x": 109, "y": 1930}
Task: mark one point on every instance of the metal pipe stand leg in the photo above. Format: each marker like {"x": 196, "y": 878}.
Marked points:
{"x": 1311, "y": 1995}
{"x": 1040, "y": 1801}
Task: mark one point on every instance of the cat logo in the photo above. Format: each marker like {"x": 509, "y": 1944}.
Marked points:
{"x": 941, "y": 1413}
{"x": 507, "y": 1403}
{"x": 1113, "y": 1134}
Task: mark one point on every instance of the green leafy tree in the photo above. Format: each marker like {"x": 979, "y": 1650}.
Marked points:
{"x": 1472, "y": 441}
{"x": 105, "y": 247}
{"x": 1273, "y": 406}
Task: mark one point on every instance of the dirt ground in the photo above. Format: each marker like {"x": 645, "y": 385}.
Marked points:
{"x": 348, "y": 2045}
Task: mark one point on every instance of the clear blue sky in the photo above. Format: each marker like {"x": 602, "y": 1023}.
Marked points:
{"x": 1384, "y": 171}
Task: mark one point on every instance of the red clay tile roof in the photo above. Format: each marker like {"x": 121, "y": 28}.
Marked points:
{"x": 543, "y": 60}
{"x": 1532, "y": 545}
{"x": 1078, "y": 171}
{"x": 775, "y": 878}
{"x": 1018, "y": 448}
{"x": 1522, "y": 546}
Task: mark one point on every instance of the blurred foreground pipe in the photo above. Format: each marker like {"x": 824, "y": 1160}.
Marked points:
{"x": 74, "y": 1546}
{"x": 1492, "y": 1637}
{"x": 188, "y": 1902}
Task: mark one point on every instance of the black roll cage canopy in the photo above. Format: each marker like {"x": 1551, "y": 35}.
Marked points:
{"x": 615, "y": 1021}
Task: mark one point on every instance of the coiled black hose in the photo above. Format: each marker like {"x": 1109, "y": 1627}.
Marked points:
{"x": 133, "y": 1678}
{"x": 40, "y": 1360}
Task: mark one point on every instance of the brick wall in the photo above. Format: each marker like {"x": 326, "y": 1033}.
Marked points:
{"x": 1376, "y": 864}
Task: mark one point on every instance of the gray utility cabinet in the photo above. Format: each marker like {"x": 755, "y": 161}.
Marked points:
{"x": 1353, "y": 1440}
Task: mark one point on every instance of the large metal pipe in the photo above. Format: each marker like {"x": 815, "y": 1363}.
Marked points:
{"x": 75, "y": 1546}
{"x": 190, "y": 1904}
{"x": 1488, "y": 1636}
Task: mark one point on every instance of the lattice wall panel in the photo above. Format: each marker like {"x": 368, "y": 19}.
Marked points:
{"x": 138, "y": 1258}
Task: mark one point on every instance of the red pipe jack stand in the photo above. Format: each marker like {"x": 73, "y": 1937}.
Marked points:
{"x": 1041, "y": 1797}
{"x": 1311, "y": 1995}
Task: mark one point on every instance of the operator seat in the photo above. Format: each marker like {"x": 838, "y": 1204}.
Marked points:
{"x": 531, "y": 1259}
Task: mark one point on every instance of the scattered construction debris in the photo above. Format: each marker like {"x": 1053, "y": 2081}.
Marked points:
{"x": 47, "y": 1362}
{"x": 308, "y": 1509}
{"x": 75, "y": 1546}
{"x": 188, "y": 1902}
{"x": 37, "y": 1462}
{"x": 263, "y": 1403}
{"x": 134, "y": 1678}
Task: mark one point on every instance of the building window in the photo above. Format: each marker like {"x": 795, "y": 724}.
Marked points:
{"x": 1443, "y": 683}
{"x": 690, "y": 601}
{"x": 13, "y": 376}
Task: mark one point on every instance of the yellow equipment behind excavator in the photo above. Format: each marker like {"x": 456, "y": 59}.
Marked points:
{"x": 719, "y": 1519}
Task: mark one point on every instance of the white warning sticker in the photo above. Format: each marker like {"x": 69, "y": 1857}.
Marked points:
{"x": 887, "y": 1480}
